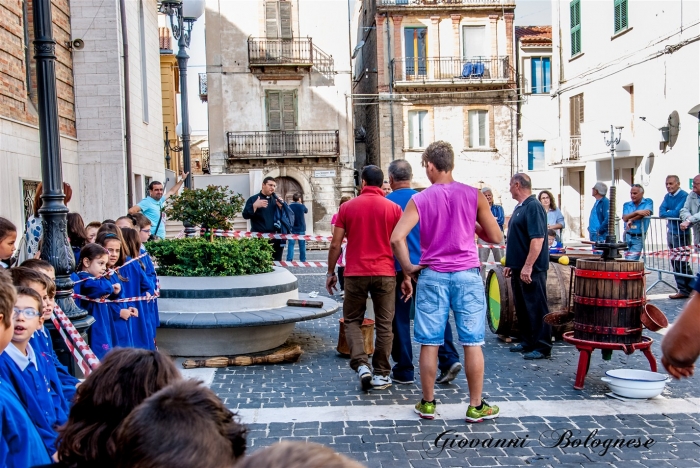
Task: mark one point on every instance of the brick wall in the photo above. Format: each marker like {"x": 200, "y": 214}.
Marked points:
{"x": 18, "y": 102}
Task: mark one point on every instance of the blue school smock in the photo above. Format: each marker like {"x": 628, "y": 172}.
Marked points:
{"x": 51, "y": 372}
{"x": 152, "y": 305}
{"x": 21, "y": 444}
{"x": 102, "y": 331}
{"x": 122, "y": 328}
{"x": 35, "y": 393}
{"x": 138, "y": 285}
{"x": 41, "y": 342}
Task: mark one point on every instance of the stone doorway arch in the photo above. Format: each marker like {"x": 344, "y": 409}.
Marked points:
{"x": 287, "y": 187}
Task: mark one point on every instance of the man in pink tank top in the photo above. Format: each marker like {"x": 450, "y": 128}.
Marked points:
{"x": 450, "y": 214}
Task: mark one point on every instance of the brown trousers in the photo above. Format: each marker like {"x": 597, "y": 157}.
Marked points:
{"x": 381, "y": 289}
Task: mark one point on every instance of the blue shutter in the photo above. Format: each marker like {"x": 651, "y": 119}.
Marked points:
{"x": 546, "y": 75}
{"x": 536, "y": 74}
{"x": 535, "y": 155}
{"x": 620, "y": 17}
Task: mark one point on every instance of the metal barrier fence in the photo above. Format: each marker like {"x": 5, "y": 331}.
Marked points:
{"x": 668, "y": 248}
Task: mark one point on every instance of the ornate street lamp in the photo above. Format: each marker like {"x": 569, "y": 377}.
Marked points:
{"x": 55, "y": 248}
{"x": 611, "y": 247}
{"x": 169, "y": 147}
{"x": 183, "y": 14}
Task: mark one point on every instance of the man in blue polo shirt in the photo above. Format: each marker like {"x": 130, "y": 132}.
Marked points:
{"x": 671, "y": 208}
{"x": 400, "y": 175}
{"x": 152, "y": 205}
{"x": 634, "y": 214}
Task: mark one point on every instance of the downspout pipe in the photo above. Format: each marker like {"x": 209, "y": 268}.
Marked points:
{"x": 391, "y": 89}
{"x": 127, "y": 107}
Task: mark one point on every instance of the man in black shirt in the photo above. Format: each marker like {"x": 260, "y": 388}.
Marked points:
{"x": 260, "y": 210}
{"x": 527, "y": 262}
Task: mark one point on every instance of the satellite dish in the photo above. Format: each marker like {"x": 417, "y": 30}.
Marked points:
{"x": 674, "y": 126}
{"x": 357, "y": 48}
{"x": 77, "y": 44}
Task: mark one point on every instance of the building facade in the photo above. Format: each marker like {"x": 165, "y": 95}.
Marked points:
{"x": 20, "y": 163}
{"x": 438, "y": 70}
{"x": 537, "y": 112}
{"x": 632, "y": 64}
{"x": 278, "y": 93}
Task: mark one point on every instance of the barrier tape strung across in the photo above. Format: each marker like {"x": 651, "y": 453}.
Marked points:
{"x": 154, "y": 296}
{"x": 69, "y": 344}
{"x": 267, "y": 235}
{"x": 82, "y": 346}
{"x": 109, "y": 272}
{"x": 325, "y": 264}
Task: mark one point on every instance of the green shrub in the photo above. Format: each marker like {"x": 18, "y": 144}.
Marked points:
{"x": 221, "y": 257}
{"x": 211, "y": 208}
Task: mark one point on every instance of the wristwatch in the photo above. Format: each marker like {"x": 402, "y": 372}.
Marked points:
{"x": 330, "y": 275}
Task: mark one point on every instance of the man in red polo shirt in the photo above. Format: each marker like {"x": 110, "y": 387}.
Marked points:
{"x": 367, "y": 221}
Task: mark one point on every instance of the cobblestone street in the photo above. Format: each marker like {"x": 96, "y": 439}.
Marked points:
{"x": 318, "y": 399}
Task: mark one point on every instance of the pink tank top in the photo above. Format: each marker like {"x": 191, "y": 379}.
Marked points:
{"x": 447, "y": 226}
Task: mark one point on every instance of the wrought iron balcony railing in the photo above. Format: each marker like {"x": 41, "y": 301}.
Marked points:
{"x": 296, "y": 52}
{"x": 452, "y": 69}
{"x": 447, "y": 3}
{"x": 284, "y": 144}
{"x": 574, "y": 148}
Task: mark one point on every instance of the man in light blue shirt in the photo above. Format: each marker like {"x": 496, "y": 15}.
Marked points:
{"x": 635, "y": 214}
{"x": 152, "y": 205}
{"x": 598, "y": 220}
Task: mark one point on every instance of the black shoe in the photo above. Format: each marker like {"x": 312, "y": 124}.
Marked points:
{"x": 518, "y": 348}
{"x": 532, "y": 355}
{"x": 447, "y": 376}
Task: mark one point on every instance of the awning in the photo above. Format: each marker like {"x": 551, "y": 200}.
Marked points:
{"x": 694, "y": 111}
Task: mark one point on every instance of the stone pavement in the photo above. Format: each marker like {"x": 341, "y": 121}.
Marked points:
{"x": 544, "y": 422}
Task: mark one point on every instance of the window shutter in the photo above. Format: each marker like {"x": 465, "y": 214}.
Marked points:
{"x": 482, "y": 128}
{"x": 572, "y": 114}
{"x": 271, "y": 22}
{"x": 526, "y": 86}
{"x": 285, "y": 20}
{"x": 575, "y": 9}
{"x": 580, "y": 108}
{"x": 274, "y": 111}
{"x": 412, "y": 117}
{"x": 623, "y": 14}
{"x": 289, "y": 110}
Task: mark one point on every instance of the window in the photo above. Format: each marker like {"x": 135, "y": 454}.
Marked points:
{"x": 535, "y": 156}
{"x": 478, "y": 128}
{"x": 541, "y": 75}
{"x": 416, "y": 129}
{"x": 278, "y": 19}
{"x": 473, "y": 41}
{"x": 144, "y": 61}
{"x": 620, "y": 15}
{"x": 281, "y": 110}
{"x": 416, "y": 47}
{"x": 575, "y": 8}
{"x": 575, "y": 114}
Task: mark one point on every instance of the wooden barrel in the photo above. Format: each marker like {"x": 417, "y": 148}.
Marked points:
{"x": 500, "y": 304}
{"x": 609, "y": 301}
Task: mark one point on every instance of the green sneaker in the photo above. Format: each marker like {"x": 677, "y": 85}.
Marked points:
{"x": 486, "y": 412}
{"x": 425, "y": 410}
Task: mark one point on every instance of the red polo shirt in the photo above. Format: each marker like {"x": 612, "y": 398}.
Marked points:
{"x": 368, "y": 221}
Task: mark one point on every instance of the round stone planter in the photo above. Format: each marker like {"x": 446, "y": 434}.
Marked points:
{"x": 223, "y": 316}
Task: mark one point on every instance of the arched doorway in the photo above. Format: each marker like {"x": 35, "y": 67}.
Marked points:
{"x": 287, "y": 187}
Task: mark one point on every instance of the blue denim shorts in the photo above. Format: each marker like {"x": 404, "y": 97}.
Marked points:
{"x": 437, "y": 293}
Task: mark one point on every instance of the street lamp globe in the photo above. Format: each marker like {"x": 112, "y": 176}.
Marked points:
{"x": 178, "y": 130}
{"x": 192, "y": 9}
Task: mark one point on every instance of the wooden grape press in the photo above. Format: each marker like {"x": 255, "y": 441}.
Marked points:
{"x": 609, "y": 300}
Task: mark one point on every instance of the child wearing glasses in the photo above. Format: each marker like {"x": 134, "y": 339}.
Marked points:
{"x": 26, "y": 371}
{"x": 18, "y": 435}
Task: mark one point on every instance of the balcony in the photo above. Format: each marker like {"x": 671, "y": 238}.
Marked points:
{"x": 284, "y": 144}
{"x": 414, "y": 5}
{"x": 282, "y": 56}
{"x": 452, "y": 70}
{"x": 574, "y": 156}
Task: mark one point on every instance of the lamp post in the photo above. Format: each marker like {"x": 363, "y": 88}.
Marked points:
{"x": 55, "y": 248}
{"x": 169, "y": 147}
{"x": 183, "y": 14}
{"x": 611, "y": 247}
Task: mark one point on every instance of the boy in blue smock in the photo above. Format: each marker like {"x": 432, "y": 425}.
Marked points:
{"x": 26, "y": 372}
{"x": 41, "y": 340}
{"x": 20, "y": 442}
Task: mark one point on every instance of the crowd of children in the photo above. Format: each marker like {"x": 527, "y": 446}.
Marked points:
{"x": 134, "y": 410}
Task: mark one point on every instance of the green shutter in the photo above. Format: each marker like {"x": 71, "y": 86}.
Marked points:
{"x": 281, "y": 110}
{"x": 285, "y": 20}
{"x": 289, "y": 117}
{"x": 621, "y": 22}
{"x": 271, "y": 20}
{"x": 575, "y": 9}
{"x": 274, "y": 111}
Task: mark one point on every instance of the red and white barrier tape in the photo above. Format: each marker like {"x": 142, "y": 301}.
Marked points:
{"x": 266, "y": 235}
{"x": 69, "y": 344}
{"x": 109, "y": 272}
{"x": 154, "y": 296}
{"x": 63, "y": 323}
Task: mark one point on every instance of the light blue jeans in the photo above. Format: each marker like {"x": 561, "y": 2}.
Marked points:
{"x": 437, "y": 293}
{"x": 635, "y": 244}
{"x": 290, "y": 250}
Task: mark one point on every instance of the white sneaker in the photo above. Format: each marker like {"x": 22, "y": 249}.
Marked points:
{"x": 365, "y": 377}
{"x": 342, "y": 293}
{"x": 380, "y": 382}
